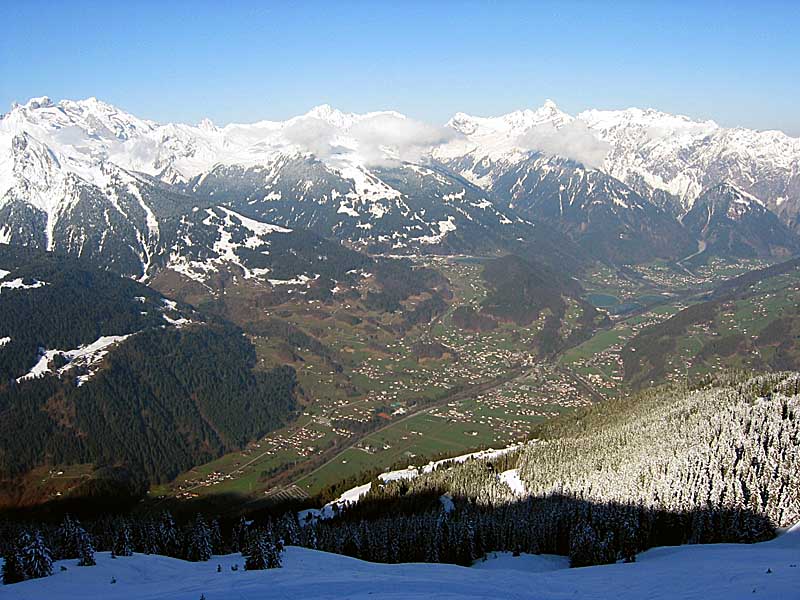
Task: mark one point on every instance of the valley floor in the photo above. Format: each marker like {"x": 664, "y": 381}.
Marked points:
{"x": 710, "y": 572}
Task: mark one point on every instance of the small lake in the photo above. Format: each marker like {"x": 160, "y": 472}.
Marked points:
{"x": 602, "y": 300}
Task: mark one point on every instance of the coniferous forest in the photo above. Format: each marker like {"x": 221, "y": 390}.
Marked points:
{"x": 717, "y": 463}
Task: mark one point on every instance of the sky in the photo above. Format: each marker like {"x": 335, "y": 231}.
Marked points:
{"x": 735, "y": 62}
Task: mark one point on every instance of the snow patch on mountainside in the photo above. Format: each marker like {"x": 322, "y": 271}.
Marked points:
{"x": 84, "y": 356}
{"x": 227, "y": 226}
{"x": 353, "y": 495}
{"x": 512, "y": 480}
{"x": 19, "y": 284}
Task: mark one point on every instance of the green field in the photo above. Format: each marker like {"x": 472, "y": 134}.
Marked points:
{"x": 376, "y": 371}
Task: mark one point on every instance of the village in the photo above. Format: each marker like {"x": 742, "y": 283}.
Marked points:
{"x": 389, "y": 382}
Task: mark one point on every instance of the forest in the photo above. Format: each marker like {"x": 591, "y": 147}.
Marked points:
{"x": 674, "y": 465}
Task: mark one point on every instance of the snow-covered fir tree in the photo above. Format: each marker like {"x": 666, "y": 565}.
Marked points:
{"x": 85, "y": 549}
{"x": 36, "y": 557}
{"x": 198, "y": 541}
{"x": 123, "y": 544}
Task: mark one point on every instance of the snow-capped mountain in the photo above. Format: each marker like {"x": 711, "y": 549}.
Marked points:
{"x": 390, "y": 208}
{"x": 88, "y": 179}
{"x": 666, "y": 158}
{"x": 684, "y": 157}
{"x": 546, "y": 165}
{"x": 597, "y": 211}
{"x": 731, "y": 222}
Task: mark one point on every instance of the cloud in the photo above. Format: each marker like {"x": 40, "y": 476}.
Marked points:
{"x": 312, "y": 134}
{"x": 574, "y": 141}
{"x": 378, "y": 140}
{"x": 384, "y": 140}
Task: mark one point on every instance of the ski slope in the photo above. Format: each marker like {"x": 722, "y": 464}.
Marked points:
{"x": 711, "y": 572}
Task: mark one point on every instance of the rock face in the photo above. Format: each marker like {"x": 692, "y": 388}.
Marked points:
{"x": 731, "y": 222}
{"x": 671, "y": 157}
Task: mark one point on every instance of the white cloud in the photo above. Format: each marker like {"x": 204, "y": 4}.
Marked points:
{"x": 573, "y": 140}
{"x": 378, "y": 140}
{"x": 313, "y": 135}
{"x": 385, "y": 139}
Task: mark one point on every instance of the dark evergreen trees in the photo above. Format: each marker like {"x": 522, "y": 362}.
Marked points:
{"x": 13, "y": 562}
{"x": 85, "y": 549}
{"x": 198, "y": 541}
{"x": 36, "y": 558}
{"x": 123, "y": 545}
{"x": 262, "y": 552}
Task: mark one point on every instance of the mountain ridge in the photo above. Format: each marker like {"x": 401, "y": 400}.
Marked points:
{"x": 87, "y": 178}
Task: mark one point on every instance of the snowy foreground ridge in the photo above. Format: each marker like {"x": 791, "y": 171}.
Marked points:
{"x": 711, "y": 572}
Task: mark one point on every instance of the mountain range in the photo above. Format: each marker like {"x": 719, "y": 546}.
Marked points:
{"x": 87, "y": 179}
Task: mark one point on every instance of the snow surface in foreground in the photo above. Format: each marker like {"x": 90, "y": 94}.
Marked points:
{"x": 709, "y": 572}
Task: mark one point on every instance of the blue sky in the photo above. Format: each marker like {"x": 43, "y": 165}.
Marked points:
{"x": 735, "y": 62}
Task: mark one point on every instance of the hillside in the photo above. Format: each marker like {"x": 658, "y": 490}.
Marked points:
{"x": 751, "y": 321}
{"x": 530, "y": 294}
{"x": 612, "y": 486}
{"x": 730, "y": 222}
{"x": 666, "y": 467}
{"x": 100, "y": 371}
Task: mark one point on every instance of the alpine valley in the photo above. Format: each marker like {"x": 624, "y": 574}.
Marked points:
{"x": 508, "y": 337}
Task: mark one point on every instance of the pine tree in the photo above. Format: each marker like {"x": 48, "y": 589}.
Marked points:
{"x": 238, "y": 535}
{"x": 36, "y": 558}
{"x": 262, "y": 552}
{"x": 167, "y": 535}
{"x": 256, "y": 553}
{"x": 13, "y": 567}
{"x": 122, "y": 542}
{"x": 85, "y": 549}
{"x": 198, "y": 542}
{"x": 66, "y": 539}
{"x": 291, "y": 535}
{"x": 274, "y": 550}
{"x": 217, "y": 545}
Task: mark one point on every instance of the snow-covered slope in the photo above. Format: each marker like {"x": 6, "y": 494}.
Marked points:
{"x": 711, "y": 572}
{"x": 87, "y": 178}
{"x": 662, "y": 156}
